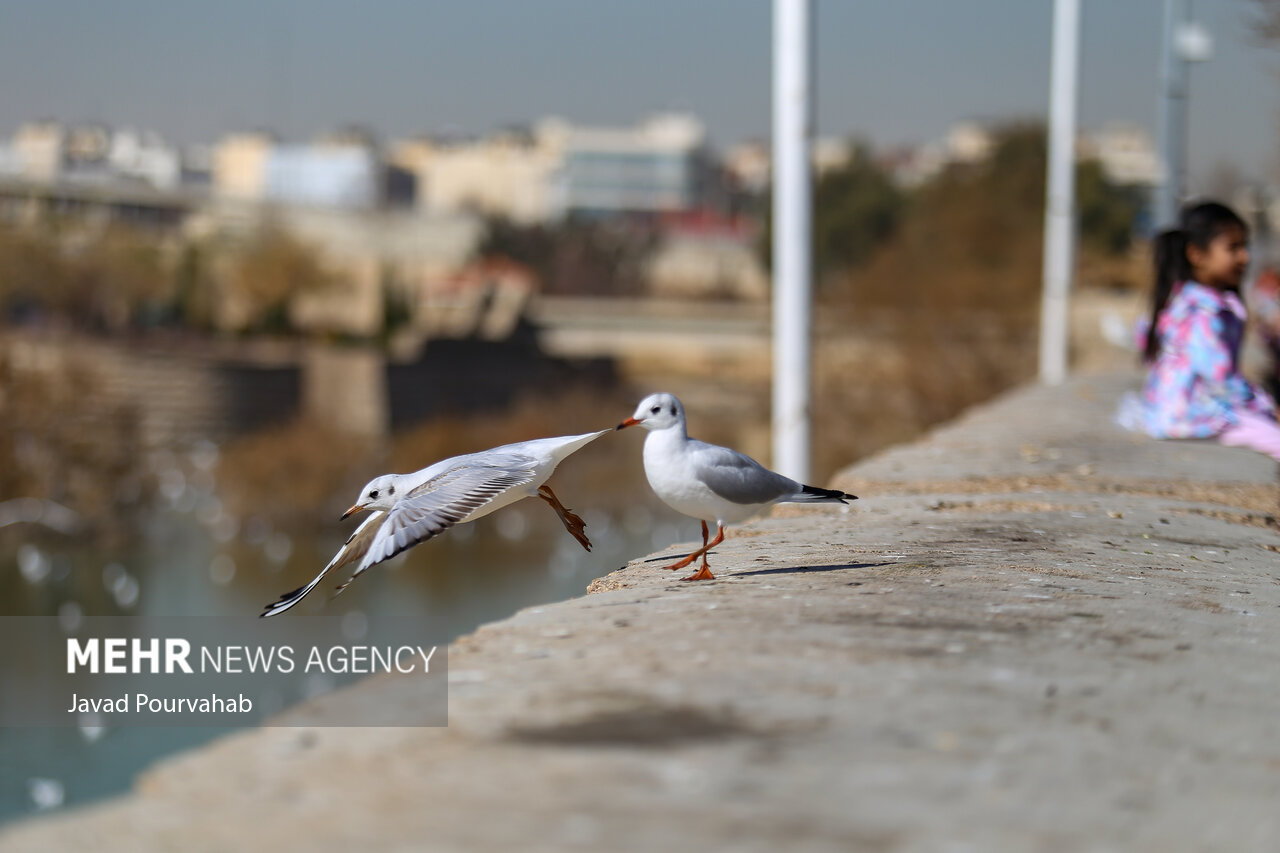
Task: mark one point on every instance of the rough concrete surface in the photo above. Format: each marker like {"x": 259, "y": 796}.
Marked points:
{"x": 1033, "y": 632}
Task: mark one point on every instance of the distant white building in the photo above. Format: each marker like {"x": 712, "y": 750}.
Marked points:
{"x": 750, "y": 165}
{"x": 507, "y": 174}
{"x": 338, "y": 171}
{"x": 145, "y": 156}
{"x": 10, "y": 162}
{"x": 829, "y": 153}
{"x": 556, "y": 169}
{"x": 965, "y": 143}
{"x": 50, "y": 152}
{"x": 238, "y": 166}
{"x": 1126, "y": 152}
{"x": 344, "y": 176}
{"x": 40, "y": 148}
{"x": 659, "y": 166}
{"x": 968, "y": 142}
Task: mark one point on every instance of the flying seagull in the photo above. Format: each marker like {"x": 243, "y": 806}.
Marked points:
{"x": 412, "y": 508}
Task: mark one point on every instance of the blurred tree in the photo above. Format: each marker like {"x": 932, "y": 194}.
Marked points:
{"x": 193, "y": 288}
{"x": 60, "y": 441}
{"x": 1107, "y": 211}
{"x": 111, "y": 279}
{"x": 397, "y": 307}
{"x": 857, "y": 207}
{"x": 534, "y": 246}
{"x": 1267, "y": 20}
{"x": 120, "y": 280}
{"x": 266, "y": 275}
{"x": 577, "y": 257}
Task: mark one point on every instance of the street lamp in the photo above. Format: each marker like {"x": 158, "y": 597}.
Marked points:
{"x": 1185, "y": 41}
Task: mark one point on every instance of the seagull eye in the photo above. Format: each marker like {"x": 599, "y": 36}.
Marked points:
{"x": 374, "y": 494}
{"x": 655, "y": 410}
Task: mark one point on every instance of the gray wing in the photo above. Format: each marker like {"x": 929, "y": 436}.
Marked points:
{"x": 444, "y": 500}
{"x": 737, "y": 477}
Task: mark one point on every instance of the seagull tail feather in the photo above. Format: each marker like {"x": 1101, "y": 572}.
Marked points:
{"x": 813, "y": 494}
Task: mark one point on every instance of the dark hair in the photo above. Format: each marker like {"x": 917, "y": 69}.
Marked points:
{"x": 1198, "y": 225}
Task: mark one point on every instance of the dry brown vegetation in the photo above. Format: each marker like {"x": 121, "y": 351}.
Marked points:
{"x": 951, "y": 299}
{"x": 266, "y": 274}
{"x": 58, "y": 443}
{"x": 290, "y": 473}
{"x": 105, "y": 279}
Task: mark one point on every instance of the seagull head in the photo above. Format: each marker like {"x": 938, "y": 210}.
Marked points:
{"x": 655, "y": 412}
{"x": 378, "y": 493}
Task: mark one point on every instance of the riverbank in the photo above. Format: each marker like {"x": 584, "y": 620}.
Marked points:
{"x": 1034, "y": 632}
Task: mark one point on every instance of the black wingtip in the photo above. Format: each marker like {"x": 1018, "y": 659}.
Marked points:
{"x": 274, "y": 607}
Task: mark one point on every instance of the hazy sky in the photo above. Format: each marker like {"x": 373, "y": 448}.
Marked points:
{"x": 892, "y": 71}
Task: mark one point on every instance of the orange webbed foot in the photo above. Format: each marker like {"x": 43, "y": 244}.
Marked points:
{"x": 702, "y": 574}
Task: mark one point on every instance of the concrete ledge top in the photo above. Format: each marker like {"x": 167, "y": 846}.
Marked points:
{"x": 1033, "y": 632}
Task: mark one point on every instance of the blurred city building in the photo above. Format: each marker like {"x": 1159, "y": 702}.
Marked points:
{"x": 749, "y": 165}
{"x": 403, "y": 224}
{"x": 48, "y": 152}
{"x": 507, "y": 174}
{"x": 1126, "y": 152}
{"x": 343, "y": 176}
{"x": 239, "y": 166}
{"x": 659, "y": 166}
{"x": 964, "y": 143}
{"x": 706, "y": 256}
{"x": 39, "y": 149}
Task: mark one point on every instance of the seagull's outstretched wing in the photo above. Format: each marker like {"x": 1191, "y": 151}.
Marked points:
{"x": 444, "y": 500}
{"x": 354, "y": 548}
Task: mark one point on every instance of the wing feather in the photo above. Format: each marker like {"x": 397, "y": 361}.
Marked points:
{"x": 737, "y": 477}
{"x": 441, "y": 502}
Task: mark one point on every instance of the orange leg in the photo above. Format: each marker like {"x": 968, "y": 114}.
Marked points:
{"x": 704, "y": 573}
{"x": 680, "y": 564}
{"x": 572, "y": 523}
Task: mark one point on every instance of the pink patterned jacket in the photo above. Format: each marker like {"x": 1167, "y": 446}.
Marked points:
{"x": 1194, "y": 388}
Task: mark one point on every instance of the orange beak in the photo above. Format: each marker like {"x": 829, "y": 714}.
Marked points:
{"x": 628, "y": 422}
{"x": 351, "y": 512}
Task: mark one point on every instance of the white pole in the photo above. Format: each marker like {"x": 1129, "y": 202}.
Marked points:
{"x": 1059, "y": 215}
{"x": 1174, "y": 81}
{"x": 791, "y": 235}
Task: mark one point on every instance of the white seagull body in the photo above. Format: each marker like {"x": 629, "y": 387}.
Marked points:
{"x": 412, "y": 508}
{"x": 709, "y": 482}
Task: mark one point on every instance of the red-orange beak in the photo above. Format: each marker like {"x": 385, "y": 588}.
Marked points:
{"x": 351, "y": 512}
{"x": 628, "y": 422}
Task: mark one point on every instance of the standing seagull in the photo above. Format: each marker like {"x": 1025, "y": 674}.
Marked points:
{"x": 707, "y": 481}
{"x": 412, "y": 508}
